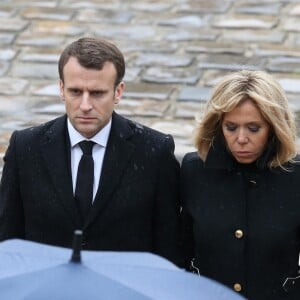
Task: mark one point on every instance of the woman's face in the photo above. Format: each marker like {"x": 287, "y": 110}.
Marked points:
{"x": 246, "y": 132}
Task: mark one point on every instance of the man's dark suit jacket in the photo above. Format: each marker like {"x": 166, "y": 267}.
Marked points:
{"x": 136, "y": 207}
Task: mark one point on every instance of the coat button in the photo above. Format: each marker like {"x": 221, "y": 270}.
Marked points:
{"x": 238, "y": 233}
{"x": 237, "y": 287}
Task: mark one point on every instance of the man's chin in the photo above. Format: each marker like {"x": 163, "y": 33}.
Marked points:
{"x": 87, "y": 131}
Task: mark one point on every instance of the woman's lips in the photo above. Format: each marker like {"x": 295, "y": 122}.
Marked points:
{"x": 243, "y": 153}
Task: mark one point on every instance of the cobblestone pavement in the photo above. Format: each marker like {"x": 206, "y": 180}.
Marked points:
{"x": 175, "y": 50}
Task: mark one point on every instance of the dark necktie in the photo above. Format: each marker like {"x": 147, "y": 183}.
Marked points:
{"x": 85, "y": 179}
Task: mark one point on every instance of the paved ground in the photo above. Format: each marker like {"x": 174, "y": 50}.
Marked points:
{"x": 176, "y": 50}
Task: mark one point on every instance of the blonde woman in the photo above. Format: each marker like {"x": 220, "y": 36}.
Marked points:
{"x": 241, "y": 189}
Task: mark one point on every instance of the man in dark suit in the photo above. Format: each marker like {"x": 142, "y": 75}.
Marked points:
{"x": 134, "y": 197}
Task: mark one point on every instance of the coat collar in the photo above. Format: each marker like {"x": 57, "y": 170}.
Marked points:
{"x": 55, "y": 151}
{"x": 118, "y": 152}
{"x": 218, "y": 157}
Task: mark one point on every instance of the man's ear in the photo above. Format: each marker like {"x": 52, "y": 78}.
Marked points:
{"x": 119, "y": 92}
{"x": 61, "y": 90}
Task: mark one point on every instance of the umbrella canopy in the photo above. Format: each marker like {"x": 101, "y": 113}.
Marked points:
{"x": 30, "y": 270}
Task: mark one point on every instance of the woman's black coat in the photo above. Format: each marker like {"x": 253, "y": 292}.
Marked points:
{"x": 220, "y": 197}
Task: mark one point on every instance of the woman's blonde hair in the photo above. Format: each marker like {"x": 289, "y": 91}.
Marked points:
{"x": 269, "y": 98}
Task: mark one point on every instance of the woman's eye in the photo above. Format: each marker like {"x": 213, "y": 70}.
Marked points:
{"x": 253, "y": 128}
{"x": 231, "y": 127}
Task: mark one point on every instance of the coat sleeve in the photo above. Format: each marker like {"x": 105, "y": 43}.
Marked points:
{"x": 166, "y": 213}
{"x": 186, "y": 222}
{"x": 11, "y": 208}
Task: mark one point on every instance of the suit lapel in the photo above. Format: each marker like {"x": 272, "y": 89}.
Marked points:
{"x": 56, "y": 156}
{"x": 118, "y": 152}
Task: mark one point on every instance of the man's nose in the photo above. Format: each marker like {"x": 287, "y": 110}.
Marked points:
{"x": 85, "y": 102}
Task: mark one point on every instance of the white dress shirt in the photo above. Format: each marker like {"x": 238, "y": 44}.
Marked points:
{"x": 100, "y": 140}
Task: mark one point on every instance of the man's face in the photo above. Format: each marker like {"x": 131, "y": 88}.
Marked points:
{"x": 89, "y": 95}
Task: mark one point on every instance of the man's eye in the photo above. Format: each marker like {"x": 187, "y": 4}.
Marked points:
{"x": 97, "y": 93}
{"x": 74, "y": 92}
{"x": 231, "y": 127}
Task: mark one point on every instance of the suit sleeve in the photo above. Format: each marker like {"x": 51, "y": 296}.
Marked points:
{"x": 11, "y": 208}
{"x": 166, "y": 214}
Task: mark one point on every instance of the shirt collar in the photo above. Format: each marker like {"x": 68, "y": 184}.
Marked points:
{"x": 101, "y": 138}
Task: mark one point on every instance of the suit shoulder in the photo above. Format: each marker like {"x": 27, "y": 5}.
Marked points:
{"x": 29, "y": 133}
{"x": 148, "y": 133}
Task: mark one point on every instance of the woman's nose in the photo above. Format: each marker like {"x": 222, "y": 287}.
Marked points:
{"x": 242, "y": 137}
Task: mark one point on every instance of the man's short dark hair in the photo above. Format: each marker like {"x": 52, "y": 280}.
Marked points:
{"x": 93, "y": 53}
